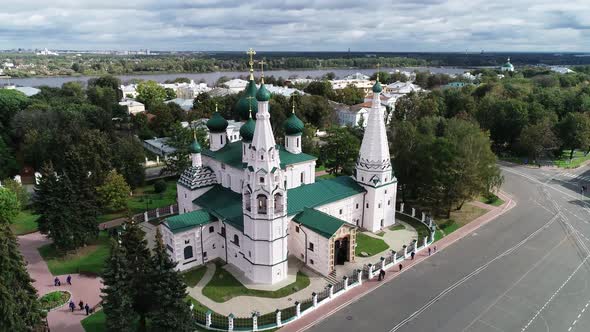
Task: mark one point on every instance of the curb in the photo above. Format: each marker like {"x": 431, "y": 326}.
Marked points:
{"x": 59, "y": 306}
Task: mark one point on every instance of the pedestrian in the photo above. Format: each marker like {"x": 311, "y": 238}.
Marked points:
{"x": 69, "y": 280}
{"x": 72, "y": 306}
{"x": 55, "y": 281}
{"x": 383, "y": 274}
{"x": 58, "y": 282}
{"x": 87, "y": 307}
{"x": 379, "y": 278}
{"x": 81, "y": 305}
{"x": 400, "y": 267}
{"x": 435, "y": 249}
{"x": 413, "y": 254}
{"x": 429, "y": 251}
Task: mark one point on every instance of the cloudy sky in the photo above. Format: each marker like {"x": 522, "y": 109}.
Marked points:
{"x": 289, "y": 25}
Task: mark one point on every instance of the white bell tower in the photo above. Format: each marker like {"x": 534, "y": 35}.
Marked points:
{"x": 265, "y": 202}
{"x": 373, "y": 169}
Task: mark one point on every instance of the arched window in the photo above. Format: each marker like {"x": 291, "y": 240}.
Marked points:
{"x": 248, "y": 201}
{"x": 188, "y": 252}
{"x": 297, "y": 141}
{"x": 278, "y": 203}
{"x": 262, "y": 204}
{"x": 236, "y": 240}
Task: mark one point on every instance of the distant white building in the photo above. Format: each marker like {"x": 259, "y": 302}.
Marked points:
{"x": 129, "y": 91}
{"x": 185, "y": 104}
{"x": 27, "y": 90}
{"x": 355, "y": 114}
{"x": 159, "y": 147}
{"x": 357, "y": 76}
{"x": 133, "y": 107}
{"x": 399, "y": 88}
{"x": 8, "y": 65}
{"x": 187, "y": 90}
{"x": 561, "y": 70}
{"x": 47, "y": 52}
{"x": 507, "y": 66}
{"x": 364, "y": 85}
{"x": 236, "y": 85}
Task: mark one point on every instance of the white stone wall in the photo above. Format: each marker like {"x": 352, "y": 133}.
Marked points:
{"x": 351, "y": 208}
{"x": 379, "y": 209}
{"x": 319, "y": 258}
{"x": 185, "y": 197}
{"x": 293, "y": 174}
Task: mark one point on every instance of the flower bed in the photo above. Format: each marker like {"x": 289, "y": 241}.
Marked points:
{"x": 54, "y": 300}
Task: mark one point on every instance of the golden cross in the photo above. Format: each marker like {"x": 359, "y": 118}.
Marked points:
{"x": 378, "y": 65}
{"x": 215, "y": 107}
{"x": 262, "y": 63}
{"x": 293, "y": 101}
{"x": 251, "y": 53}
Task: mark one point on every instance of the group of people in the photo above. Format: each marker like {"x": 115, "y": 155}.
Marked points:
{"x": 82, "y": 307}
{"x": 382, "y": 271}
{"x": 57, "y": 283}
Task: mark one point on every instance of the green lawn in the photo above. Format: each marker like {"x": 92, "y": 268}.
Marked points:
{"x": 458, "y": 219}
{"x": 145, "y": 197}
{"x": 24, "y": 223}
{"x": 564, "y": 160}
{"x": 192, "y": 277}
{"x": 326, "y": 176}
{"x": 397, "y": 227}
{"x": 368, "y": 244}
{"x": 491, "y": 200}
{"x": 224, "y": 286}
{"x": 380, "y": 233}
{"x": 89, "y": 259}
{"x": 95, "y": 322}
{"x": 320, "y": 168}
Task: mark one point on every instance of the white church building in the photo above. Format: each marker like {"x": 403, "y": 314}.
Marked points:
{"x": 253, "y": 203}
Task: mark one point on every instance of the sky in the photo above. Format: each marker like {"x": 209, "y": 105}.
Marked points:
{"x": 302, "y": 25}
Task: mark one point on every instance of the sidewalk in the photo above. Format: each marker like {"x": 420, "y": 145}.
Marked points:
{"x": 356, "y": 293}
{"x": 83, "y": 287}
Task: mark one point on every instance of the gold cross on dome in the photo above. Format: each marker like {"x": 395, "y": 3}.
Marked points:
{"x": 251, "y": 53}
{"x": 293, "y": 101}
{"x": 262, "y": 63}
{"x": 378, "y": 66}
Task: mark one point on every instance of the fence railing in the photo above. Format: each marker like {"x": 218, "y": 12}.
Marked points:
{"x": 272, "y": 320}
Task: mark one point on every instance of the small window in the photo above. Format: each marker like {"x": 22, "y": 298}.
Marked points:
{"x": 261, "y": 180}
{"x": 340, "y": 211}
{"x": 188, "y": 252}
{"x": 211, "y": 229}
{"x": 367, "y": 205}
{"x": 385, "y": 189}
{"x": 187, "y": 241}
{"x": 184, "y": 195}
{"x": 296, "y": 229}
{"x": 302, "y": 256}
{"x": 236, "y": 240}
{"x": 382, "y": 222}
{"x": 302, "y": 177}
{"x": 310, "y": 246}
{"x": 297, "y": 141}
{"x": 362, "y": 178}
{"x": 249, "y": 253}
{"x": 205, "y": 255}
{"x": 311, "y": 261}
{"x": 261, "y": 157}
{"x": 389, "y": 202}
{"x": 213, "y": 245}
{"x": 379, "y": 205}
{"x": 223, "y": 231}
{"x": 357, "y": 206}
{"x": 221, "y": 139}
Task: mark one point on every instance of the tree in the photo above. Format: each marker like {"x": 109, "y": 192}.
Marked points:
{"x": 159, "y": 186}
{"x": 172, "y": 312}
{"x": 180, "y": 140}
{"x": 21, "y": 193}
{"x": 8, "y": 166}
{"x": 320, "y": 88}
{"x": 128, "y": 158}
{"x": 350, "y": 95}
{"x": 574, "y": 132}
{"x": 18, "y": 298}
{"x": 114, "y": 192}
{"x": 537, "y": 138}
{"x": 9, "y": 205}
{"x": 11, "y": 102}
{"x": 341, "y": 150}
{"x": 117, "y": 303}
{"x": 170, "y": 94}
{"x": 137, "y": 256}
{"x": 150, "y": 93}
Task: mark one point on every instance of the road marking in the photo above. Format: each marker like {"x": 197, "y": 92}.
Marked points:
{"x": 470, "y": 275}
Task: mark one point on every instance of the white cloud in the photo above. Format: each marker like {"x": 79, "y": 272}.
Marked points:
{"x": 322, "y": 25}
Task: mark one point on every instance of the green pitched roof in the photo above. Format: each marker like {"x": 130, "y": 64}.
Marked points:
{"x": 231, "y": 154}
{"x": 320, "y": 193}
{"x": 186, "y": 221}
{"x": 224, "y": 204}
{"x": 244, "y": 104}
{"x": 319, "y": 222}
{"x": 247, "y": 130}
{"x": 293, "y": 125}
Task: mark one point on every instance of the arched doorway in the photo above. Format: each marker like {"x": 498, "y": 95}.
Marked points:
{"x": 341, "y": 250}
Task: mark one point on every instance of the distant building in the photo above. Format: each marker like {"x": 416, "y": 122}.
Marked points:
{"x": 357, "y": 76}
{"x": 187, "y": 90}
{"x": 364, "y": 85}
{"x": 133, "y": 107}
{"x": 185, "y": 104}
{"x": 27, "y": 90}
{"x": 47, "y": 52}
{"x": 507, "y": 66}
{"x": 561, "y": 70}
{"x": 399, "y": 89}
{"x": 355, "y": 114}
{"x": 236, "y": 85}
{"x": 129, "y": 91}
{"x": 456, "y": 85}
{"x": 159, "y": 147}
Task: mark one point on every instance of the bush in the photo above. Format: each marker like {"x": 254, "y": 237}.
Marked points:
{"x": 160, "y": 186}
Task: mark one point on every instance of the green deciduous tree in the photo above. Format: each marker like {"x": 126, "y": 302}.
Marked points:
{"x": 150, "y": 93}
{"x": 8, "y": 166}
{"x": 340, "y": 151}
{"x": 9, "y": 205}
{"x": 114, "y": 192}
{"x": 536, "y": 139}
{"x": 574, "y": 132}
{"x": 21, "y": 193}
{"x": 128, "y": 158}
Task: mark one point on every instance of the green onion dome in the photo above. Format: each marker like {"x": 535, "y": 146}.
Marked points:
{"x": 247, "y": 130}
{"x": 217, "y": 124}
{"x": 242, "y": 107}
{"x": 293, "y": 126}
{"x": 195, "y": 147}
{"x": 377, "y": 87}
{"x": 263, "y": 94}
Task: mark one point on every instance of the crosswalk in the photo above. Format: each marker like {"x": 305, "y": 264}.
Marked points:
{"x": 577, "y": 177}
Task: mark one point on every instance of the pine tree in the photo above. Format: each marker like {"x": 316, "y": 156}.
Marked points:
{"x": 172, "y": 312}
{"x": 138, "y": 268}
{"x": 117, "y": 302}
{"x": 19, "y": 307}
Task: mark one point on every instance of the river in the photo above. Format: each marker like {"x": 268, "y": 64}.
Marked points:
{"x": 211, "y": 78}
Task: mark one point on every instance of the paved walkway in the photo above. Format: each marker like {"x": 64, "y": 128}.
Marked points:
{"x": 83, "y": 287}
{"x": 368, "y": 286}
{"x": 243, "y": 306}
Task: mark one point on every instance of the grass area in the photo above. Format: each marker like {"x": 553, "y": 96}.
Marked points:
{"x": 564, "y": 160}
{"x": 326, "y": 176}
{"x": 491, "y": 199}
{"x": 380, "y": 233}
{"x": 458, "y": 219}
{"x": 224, "y": 286}
{"x": 145, "y": 197}
{"x": 95, "y": 322}
{"x": 320, "y": 168}
{"x": 89, "y": 259}
{"x": 420, "y": 228}
{"x": 24, "y": 223}
{"x": 192, "y": 277}
{"x": 54, "y": 299}
{"x": 368, "y": 244}
{"x": 397, "y": 227}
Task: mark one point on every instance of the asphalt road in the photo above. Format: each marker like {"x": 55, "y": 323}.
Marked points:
{"x": 528, "y": 270}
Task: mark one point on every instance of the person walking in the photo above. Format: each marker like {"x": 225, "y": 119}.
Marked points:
{"x": 435, "y": 249}
{"x": 81, "y": 305}
{"x": 72, "y": 306}
{"x": 69, "y": 280}
{"x": 413, "y": 254}
{"x": 429, "y": 251}
{"x": 87, "y": 307}
{"x": 400, "y": 267}
{"x": 55, "y": 281}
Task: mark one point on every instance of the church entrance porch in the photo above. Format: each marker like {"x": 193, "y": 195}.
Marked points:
{"x": 342, "y": 248}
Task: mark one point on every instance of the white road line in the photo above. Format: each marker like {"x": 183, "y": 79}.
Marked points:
{"x": 470, "y": 275}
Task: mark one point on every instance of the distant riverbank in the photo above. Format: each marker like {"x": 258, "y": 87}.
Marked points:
{"x": 212, "y": 77}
